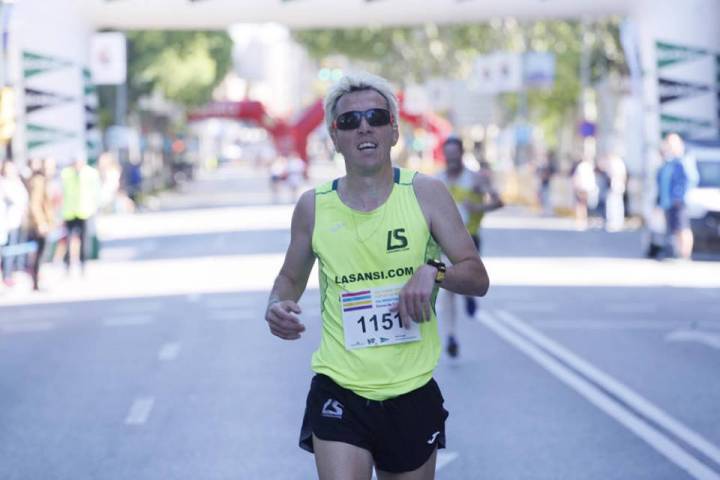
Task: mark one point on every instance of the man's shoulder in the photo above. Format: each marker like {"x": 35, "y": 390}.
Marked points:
{"x": 427, "y": 183}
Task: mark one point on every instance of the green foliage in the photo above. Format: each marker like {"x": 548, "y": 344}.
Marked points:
{"x": 414, "y": 54}
{"x": 184, "y": 66}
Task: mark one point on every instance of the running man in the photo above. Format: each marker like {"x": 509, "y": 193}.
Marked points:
{"x": 474, "y": 195}
{"x": 377, "y": 234}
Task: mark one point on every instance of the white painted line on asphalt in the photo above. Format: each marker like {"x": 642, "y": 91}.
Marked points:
{"x": 621, "y": 391}
{"x": 632, "y": 308}
{"x": 140, "y": 411}
{"x": 238, "y": 315}
{"x": 483, "y": 315}
{"x": 169, "y": 352}
{"x": 656, "y": 439}
{"x": 37, "y": 314}
{"x": 26, "y": 327}
{"x": 694, "y": 336}
{"x": 534, "y": 307}
{"x": 127, "y": 320}
{"x": 606, "y": 324}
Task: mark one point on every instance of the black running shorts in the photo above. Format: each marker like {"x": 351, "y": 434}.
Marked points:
{"x": 401, "y": 433}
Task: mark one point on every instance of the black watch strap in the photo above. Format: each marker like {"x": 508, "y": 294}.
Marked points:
{"x": 441, "y": 269}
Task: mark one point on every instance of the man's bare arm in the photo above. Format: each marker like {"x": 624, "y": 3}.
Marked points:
{"x": 290, "y": 283}
{"x": 466, "y": 275}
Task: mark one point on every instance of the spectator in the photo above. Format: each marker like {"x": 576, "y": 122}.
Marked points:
{"x": 615, "y": 205}
{"x": 81, "y": 191}
{"x": 545, "y": 173}
{"x": 672, "y": 180}
{"x": 585, "y": 188}
{"x": 41, "y": 215}
{"x": 16, "y": 200}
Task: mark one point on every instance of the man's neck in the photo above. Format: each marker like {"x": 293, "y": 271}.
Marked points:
{"x": 454, "y": 173}
{"x": 366, "y": 191}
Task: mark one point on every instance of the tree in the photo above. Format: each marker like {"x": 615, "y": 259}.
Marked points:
{"x": 408, "y": 55}
{"x": 184, "y": 66}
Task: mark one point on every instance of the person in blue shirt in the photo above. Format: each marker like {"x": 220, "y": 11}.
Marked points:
{"x": 672, "y": 182}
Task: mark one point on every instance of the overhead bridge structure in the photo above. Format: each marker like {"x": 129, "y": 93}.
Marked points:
{"x": 673, "y": 49}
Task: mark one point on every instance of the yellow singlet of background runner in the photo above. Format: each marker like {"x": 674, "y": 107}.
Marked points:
{"x": 358, "y": 251}
{"x": 462, "y": 189}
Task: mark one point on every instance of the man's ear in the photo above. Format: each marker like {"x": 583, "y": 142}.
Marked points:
{"x": 396, "y": 134}
{"x": 333, "y": 137}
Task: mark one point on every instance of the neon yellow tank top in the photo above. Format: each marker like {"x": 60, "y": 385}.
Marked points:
{"x": 462, "y": 189}
{"x": 358, "y": 251}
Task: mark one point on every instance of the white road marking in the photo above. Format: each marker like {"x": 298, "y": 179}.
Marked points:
{"x": 238, "y": 315}
{"x": 26, "y": 327}
{"x": 654, "y": 437}
{"x": 483, "y": 315}
{"x": 607, "y": 324}
{"x": 632, "y": 308}
{"x": 169, "y": 351}
{"x": 140, "y": 411}
{"x": 694, "y": 336}
{"x": 37, "y": 313}
{"x": 127, "y": 320}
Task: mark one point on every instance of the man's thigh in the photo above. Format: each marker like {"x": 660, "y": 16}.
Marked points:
{"x": 342, "y": 461}
{"x": 425, "y": 472}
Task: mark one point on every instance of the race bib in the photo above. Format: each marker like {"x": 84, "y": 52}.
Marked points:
{"x": 368, "y": 321}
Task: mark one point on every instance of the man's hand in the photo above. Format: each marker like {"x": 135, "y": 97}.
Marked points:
{"x": 282, "y": 319}
{"x": 414, "y": 302}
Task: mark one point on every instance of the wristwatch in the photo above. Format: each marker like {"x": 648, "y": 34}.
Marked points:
{"x": 441, "y": 268}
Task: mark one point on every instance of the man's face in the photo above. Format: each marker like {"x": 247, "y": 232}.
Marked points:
{"x": 365, "y": 146}
{"x": 453, "y": 156}
{"x": 674, "y": 146}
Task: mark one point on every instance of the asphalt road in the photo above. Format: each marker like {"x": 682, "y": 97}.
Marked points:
{"x": 585, "y": 361}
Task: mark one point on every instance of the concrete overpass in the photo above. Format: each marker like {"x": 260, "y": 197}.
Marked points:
{"x": 61, "y": 29}
{"x": 218, "y": 14}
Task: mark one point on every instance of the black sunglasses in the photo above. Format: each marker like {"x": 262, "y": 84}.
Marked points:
{"x": 376, "y": 117}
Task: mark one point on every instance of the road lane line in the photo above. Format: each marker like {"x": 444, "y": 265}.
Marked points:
{"x": 694, "y": 336}
{"x": 140, "y": 411}
{"x": 621, "y": 391}
{"x": 169, "y": 352}
{"x": 26, "y": 327}
{"x": 656, "y": 439}
{"x": 127, "y": 320}
{"x": 37, "y": 314}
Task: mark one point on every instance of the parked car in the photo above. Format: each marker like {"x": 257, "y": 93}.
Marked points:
{"x": 703, "y": 197}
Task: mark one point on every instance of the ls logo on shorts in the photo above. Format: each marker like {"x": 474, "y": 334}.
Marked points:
{"x": 332, "y": 409}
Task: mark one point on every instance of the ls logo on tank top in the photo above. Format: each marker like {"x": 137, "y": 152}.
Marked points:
{"x": 397, "y": 240}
